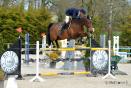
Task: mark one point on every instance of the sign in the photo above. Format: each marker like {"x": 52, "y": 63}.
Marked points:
{"x": 9, "y": 62}
{"x": 99, "y": 59}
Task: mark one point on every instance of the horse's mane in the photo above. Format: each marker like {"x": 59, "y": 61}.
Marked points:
{"x": 78, "y": 20}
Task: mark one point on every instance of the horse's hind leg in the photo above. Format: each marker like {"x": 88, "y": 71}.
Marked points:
{"x": 57, "y": 44}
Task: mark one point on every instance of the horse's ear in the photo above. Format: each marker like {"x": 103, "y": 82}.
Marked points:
{"x": 88, "y": 17}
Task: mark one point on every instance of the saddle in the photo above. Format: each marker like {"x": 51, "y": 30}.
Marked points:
{"x": 65, "y": 26}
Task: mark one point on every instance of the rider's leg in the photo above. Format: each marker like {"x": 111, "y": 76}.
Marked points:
{"x": 67, "y": 18}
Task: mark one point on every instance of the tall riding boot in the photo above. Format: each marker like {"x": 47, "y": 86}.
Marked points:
{"x": 63, "y": 28}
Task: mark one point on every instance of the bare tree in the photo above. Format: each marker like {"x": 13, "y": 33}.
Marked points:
{"x": 8, "y": 3}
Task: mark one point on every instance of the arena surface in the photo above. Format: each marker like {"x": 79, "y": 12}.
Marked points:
{"x": 74, "y": 81}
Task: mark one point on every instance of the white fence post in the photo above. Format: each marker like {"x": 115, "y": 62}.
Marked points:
{"x": 63, "y": 45}
{"x": 116, "y": 45}
{"x": 37, "y": 77}
{"x": 44, "y": 41}
{"x": 109, "y": 62}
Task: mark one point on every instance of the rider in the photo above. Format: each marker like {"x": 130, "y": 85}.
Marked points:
{"x": 72, "y": 13}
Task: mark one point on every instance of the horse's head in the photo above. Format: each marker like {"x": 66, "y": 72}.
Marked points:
{"x": 88, "y": 23}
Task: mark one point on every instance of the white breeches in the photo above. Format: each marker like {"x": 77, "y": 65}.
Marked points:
{"x": 67, "y": 18}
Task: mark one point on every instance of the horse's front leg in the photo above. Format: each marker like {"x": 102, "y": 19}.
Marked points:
{"x": 57, "y": 45}
{"x": 53, "y": 45}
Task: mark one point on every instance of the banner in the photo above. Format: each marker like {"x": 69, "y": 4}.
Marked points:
{"x": 11, "y": 59}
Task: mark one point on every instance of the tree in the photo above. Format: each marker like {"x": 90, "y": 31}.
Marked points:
{"x": 125, "y": 37}
{"x": 8, "y": 3}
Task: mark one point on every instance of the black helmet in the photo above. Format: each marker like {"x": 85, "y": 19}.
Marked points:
{"x": 83, "y": 11}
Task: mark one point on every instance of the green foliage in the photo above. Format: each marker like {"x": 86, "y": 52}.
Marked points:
{"x": 1, "y": 44}
{"x": 100, "y": 26}
{"x": 126, "y": 32}
{"x": 34, "y": 21}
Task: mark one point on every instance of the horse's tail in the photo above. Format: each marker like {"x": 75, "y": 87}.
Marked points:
{"x": 48, "y": 35}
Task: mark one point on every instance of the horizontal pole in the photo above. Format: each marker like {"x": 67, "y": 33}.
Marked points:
{"x": 128, "y": 53}
{"x": 72, "y": 49}
{"x": 99, "y": 48}
{"x": 125, "y": 48}
{"x": 58, "y": 49}
{"x": 64, "y": 73}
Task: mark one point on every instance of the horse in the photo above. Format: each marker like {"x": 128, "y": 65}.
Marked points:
{"x": 73, "y": 31}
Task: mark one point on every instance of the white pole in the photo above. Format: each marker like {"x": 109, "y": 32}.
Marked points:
{"x": 63, "y": 45}
{"x": 37, "y": 58}
{"x": 44, "y": 41}
{"x": 116, "y": 45}
{"x": 37, "y": 77}
{"x": 109, "y": 62}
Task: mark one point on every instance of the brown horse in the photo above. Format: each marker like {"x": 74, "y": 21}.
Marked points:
{"x": 75, "y": 30}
